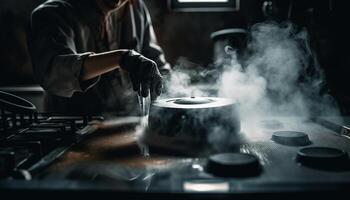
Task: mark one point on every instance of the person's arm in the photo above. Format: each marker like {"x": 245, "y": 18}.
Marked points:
{"x": 143, "y": 72}
{"x": 98, "y": 64}
{"x": 61, "y": 71}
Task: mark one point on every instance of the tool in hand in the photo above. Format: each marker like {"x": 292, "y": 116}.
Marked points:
{"x": 144, "y": 104}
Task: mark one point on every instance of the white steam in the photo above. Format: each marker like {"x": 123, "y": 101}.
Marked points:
{"x": 281, "y": 76}
{"x": 278, "y": 76}
{"x": 179, "y": 84}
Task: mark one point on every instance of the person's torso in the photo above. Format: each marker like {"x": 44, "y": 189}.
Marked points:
{"x": 113, "y": 93}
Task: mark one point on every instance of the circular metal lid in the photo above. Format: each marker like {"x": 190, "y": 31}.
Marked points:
{"x": 193, "y": 102}
{"x": 271, "y": 124}
{"x": 228, "y": 32}
{"x": 323, "y": 157}
{"x": 321, "y": 152}
{"x": 233, "y": 164}
{"x": 292, "y": 138}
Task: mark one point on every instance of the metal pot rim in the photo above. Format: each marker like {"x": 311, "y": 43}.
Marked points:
{"x": 212, "y": 102}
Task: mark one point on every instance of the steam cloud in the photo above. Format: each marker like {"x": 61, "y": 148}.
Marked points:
{"x": 279, "y": 75}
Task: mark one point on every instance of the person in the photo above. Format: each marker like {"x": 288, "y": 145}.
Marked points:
{"x": 95, "y": 56}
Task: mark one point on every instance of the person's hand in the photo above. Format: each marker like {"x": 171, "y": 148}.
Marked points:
{"x": 143, "y": 72}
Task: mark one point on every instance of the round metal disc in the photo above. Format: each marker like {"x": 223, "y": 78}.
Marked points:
{"x": 233, "y": 164}
{"x": 292, "y": 138}
{"x": 271, "y": 124}
{"x": 323, "y": 157}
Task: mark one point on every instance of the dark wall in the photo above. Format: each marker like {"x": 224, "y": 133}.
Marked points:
{"x": 188, "y": 33}
{"x": 15, "y": 66}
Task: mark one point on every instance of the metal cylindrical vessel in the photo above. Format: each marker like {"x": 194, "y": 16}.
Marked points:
{"x": 191, "y": 123}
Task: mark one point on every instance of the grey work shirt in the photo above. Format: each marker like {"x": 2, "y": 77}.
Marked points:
{"x": 64, "y": 32}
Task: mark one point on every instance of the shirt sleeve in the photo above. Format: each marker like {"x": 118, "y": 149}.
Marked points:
{"x": 150, "y": 47}
{"x": 56, "y": 63}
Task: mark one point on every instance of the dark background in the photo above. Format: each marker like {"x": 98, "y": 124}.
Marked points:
{"x": 187, "y": 34}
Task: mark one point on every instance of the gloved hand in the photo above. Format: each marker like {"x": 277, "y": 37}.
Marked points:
{"x": 143, "y": 73}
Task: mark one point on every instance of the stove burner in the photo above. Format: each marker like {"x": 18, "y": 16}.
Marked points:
{"x": 271, "y": 124}
{"x": 30, "y": 140}
{"x": 16, "y": 112}
{"x": 233, "y": 165}
{"x": 323, "y": 158}
{"x": 291, "y": 138}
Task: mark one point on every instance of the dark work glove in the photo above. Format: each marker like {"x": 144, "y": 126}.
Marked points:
{"x": 143, "y": 73}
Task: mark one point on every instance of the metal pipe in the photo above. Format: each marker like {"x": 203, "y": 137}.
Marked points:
{"x": 339, "y": 129}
